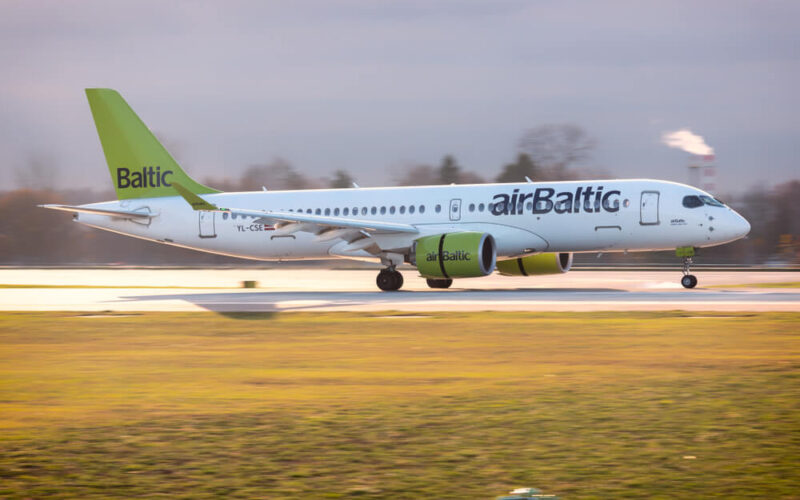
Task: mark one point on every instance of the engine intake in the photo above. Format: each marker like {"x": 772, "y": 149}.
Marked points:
{"x": 455, "y": 255}
{"x": 542, "y": 263}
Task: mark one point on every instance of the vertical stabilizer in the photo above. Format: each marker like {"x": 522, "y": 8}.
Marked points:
{"x": 140, "y": 166}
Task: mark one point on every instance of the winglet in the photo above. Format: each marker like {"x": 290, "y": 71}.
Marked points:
{"x": 192, "y": 199}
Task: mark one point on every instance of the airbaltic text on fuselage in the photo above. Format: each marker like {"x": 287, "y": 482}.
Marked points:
{"x": 543, "y": 200}
{"x": 148, "y": 177}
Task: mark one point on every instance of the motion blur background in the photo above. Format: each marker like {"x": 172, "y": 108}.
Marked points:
{"x": 318, "y": 94}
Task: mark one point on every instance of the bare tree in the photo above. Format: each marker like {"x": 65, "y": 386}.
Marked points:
{"x": 556, "y": 147}
{"x": 449, "y": 171}
{"x": 277, "y": 174}
{"x": 341, "y": 179}
{"x": 466, "y": 177}
{"x": 517, "y": 171}
{"x": 418, "y": 175}
{"x": 40, "y": 172}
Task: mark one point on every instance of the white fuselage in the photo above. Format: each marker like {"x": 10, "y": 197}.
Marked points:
{"x": 524, "y": 218}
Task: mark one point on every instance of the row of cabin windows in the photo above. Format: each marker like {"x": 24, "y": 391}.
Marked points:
{"x": 391, "y": 210}
{"x": 365, "y": 210}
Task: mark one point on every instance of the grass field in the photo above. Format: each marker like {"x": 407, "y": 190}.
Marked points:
{"x": 779, "y": 284}
{"x": 603, "y": 405}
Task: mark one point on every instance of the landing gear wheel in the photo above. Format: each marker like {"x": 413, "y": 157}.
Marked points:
{"x": 439, "y": 283}
{"x": 688, "y": 280}
{"x": 389, "y": 280}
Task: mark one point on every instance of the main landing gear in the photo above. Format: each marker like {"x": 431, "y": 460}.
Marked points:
{"x": 689, "y": 280}
{"x": 439, "y": 283}
{"x": 389, "y": 279}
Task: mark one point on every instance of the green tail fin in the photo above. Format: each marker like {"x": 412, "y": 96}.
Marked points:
{"x": 140, "y": 166}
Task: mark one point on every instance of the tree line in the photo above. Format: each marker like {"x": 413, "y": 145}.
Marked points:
{"x": 34, "y": 236}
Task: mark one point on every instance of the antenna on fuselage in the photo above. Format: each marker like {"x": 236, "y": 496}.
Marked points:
{"x": 356, "y": 185}
{"x": 528, "y": 180}
{"x": 264, "y": 188}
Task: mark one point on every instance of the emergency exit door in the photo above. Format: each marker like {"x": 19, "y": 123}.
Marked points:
{"x": 648, "y": 208}
{"x": 455, "y": 209}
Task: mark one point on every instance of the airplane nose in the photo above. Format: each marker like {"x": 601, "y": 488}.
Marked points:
{"x": 741, "y": 226}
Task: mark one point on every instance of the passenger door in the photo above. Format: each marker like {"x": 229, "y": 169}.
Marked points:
{"x": 648, "y": 208}
{"x": 207, "y": 227}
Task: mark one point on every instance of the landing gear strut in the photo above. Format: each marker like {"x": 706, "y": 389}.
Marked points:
{"x": 389, "y": 279}
{"x": 689, "y": 280}
{"x": 439, "y": 283}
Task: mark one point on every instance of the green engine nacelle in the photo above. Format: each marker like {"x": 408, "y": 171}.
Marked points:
{"x": 542, "y": 263}
{"x": 455, "y": 255}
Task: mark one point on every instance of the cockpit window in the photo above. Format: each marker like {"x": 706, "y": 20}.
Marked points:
{"x": 692, "y": 201}
{"x": 711, "y": 201}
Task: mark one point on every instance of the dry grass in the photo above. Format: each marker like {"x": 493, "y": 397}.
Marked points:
{"x": 451, "y": 405}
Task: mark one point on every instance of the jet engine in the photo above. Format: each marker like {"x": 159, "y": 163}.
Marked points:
{"x": 542, "y": 263}
{"x": 455, "y": 255}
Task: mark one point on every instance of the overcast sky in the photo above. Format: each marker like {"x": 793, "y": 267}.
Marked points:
{"x": 372, "y": 86}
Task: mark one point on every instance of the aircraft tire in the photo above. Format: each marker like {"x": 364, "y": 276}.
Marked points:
{"x": 389, "y": 281}
{"x": 439, "y": 283}
{"x": 689, "y": 281}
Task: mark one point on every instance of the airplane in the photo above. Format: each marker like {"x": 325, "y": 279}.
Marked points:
{"x": 446, "y": 232}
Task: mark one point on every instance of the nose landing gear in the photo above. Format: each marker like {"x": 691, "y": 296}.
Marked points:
{"x": 389, "y": 279}
{"x": 689, "y": 280}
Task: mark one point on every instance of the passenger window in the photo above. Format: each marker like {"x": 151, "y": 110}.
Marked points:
{"x": 327, "y": 211}
{"x": 318, "y": 211}
{"x": 411, "y": 209}
{"x": 481, "y": 207}
{"x": 422, "y": 209}
{"x": 692, "y": 201}
{"x": 308, "y": 210}
{"x": 346, "y": 211}
{"x": 373, "y": 211}
{"x": 383, "y": 210}
{"x": 363, "y": 210}
{"x": 336, "y": 211}
{"x": 391, "y": 210}
{"x": 529, "y": 206}
{"x": 438, "y": 208}
{"x": 471, "y": 207}
{"x": 225, "y": 216}
{"x": 402, "y": 209}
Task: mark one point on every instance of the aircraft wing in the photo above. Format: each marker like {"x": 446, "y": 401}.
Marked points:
{"x": 125, "y": 214}
{"x": 321, "y": 220}
{"x": 303, "y": 222}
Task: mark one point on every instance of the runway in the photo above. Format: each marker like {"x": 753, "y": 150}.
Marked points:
{"x": 138, "y": 290}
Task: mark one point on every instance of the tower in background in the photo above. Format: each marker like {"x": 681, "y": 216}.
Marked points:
{"x": 702, "y": 172}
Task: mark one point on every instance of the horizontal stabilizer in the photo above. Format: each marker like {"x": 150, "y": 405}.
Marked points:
{"x": 192, "y": 199}
{"x": 126, "y": 214}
